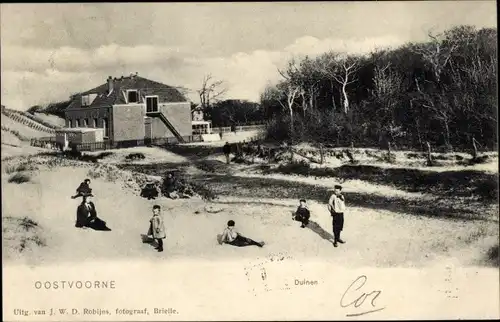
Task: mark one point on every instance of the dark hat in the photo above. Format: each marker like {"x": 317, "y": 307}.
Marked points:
{"x": 230, "y": 223}
{"x": 337, "y": 186}
{"x": 302, "y": 200}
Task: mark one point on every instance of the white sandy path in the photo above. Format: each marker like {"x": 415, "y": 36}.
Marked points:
{"x": 375, "y": 238}
{"x": 17, "y": 151}
{"x": 358, "y": 186}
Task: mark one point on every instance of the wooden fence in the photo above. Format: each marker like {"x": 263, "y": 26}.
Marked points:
{"x": 241, "y": 128}
{"x": 108, "y": 145}
{"x": 50, "y": 142}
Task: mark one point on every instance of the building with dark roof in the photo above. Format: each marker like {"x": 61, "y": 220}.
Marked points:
{"x": 132, "y": 108}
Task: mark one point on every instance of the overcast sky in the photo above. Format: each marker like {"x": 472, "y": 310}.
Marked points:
{"x": 49, "y": 51}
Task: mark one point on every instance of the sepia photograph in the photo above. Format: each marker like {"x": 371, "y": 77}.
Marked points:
{"x": 249, "y": 161}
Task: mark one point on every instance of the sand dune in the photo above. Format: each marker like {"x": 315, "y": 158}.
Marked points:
{"x": 375, "y": 237}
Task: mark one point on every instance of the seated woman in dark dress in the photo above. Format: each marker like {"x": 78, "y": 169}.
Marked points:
{"x": 86, "y": 215}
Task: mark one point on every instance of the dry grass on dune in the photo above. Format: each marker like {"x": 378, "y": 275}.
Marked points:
{"x": 21, "y": 235}
{"x": 23, "y": 129}
{"x": 51, "y": 119}
{"x": 10, "y": 138}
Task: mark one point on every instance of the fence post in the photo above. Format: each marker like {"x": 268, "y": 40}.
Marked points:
{"x": 474, "y": 146}
{"x": 429, "y": 155}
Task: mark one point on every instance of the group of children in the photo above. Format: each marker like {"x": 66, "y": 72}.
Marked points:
{"x": 336, "y": 206}
{"x": 86, "y": 214}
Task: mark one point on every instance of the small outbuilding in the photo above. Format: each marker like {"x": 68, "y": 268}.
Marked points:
{"x": 67, "y": 136}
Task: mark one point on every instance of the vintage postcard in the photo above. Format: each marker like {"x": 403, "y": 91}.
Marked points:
{"x": 249, "y": 161}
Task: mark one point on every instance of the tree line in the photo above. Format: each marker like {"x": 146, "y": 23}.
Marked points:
{"x": 442, "y": 91}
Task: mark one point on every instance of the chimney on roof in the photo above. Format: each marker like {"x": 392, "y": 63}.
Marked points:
{"x": 110, "y": 84}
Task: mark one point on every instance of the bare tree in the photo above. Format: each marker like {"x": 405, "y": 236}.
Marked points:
{"x": 346, "y": 76}
{"x": 211, "y": 91}
{"x": 310, "y": 79}
{"x": 342, "y": 70}
{"x": 437, "y": 53}
{"x": 387, "y": 85}
{"x": 295, "y": 80}
{"x": 326, "y": 65}
{"x": 443, "y": 112}
{"x": 291, "y": 88}
{"x": 291, "y": 92}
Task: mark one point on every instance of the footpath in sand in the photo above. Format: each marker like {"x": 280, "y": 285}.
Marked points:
{"x": 375, "y": 237}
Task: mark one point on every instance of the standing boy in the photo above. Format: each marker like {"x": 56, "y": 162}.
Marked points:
{"x": 336, "y": 206}
{"x": 227, "y": 151}
{"x": 303, "y": 214}
{"x": 157, "y": 227}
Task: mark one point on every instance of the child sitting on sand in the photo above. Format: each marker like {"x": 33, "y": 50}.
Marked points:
{"x": 232, "y": 237}
{"x": 83, "y": 189}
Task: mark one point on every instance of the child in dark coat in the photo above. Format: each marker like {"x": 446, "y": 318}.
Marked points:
{"x": 303, "y": 214}
{"x": 83, "y": 189}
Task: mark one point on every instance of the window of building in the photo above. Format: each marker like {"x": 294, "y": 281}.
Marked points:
{"x": 151, "y": 104}
{"x": 70, "y": 123}
{"x": 88, "y": 99}
{"x": 105, "y": 127}
{"x": 96, "y": 123}
{"x": 77, "y": 123}
{"x": 85, "y": 100}
{"x": 85, "y": 123}
{"x": 132, "y": 96}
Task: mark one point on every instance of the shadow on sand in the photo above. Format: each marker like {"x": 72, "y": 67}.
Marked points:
{"x": 493, "y": 256}
{"x": 148, "y": 240}
{"x": 315, "y": 227}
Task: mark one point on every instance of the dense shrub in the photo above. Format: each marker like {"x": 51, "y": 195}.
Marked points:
{"x": 399, "y": 95}
{"x": 19, "y": 178}
{"x": 16, "y": 168}
{"x": 27, "y": 223}
{"x": 135, "y": 156}
{"x": 189, "y": 188}
{"x": 300, "y": 168}
{"x": 149, "y": 191}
